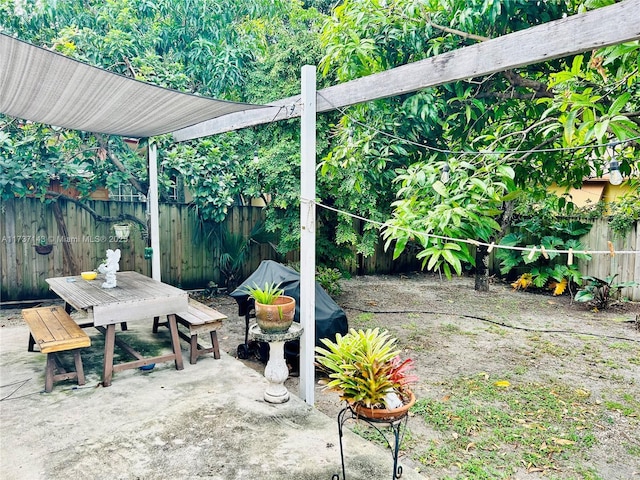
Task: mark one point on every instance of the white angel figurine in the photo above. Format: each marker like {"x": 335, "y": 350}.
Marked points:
{"x": 110, "y": 267}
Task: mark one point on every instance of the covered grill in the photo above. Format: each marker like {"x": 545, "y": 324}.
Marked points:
{"x": 330, "y": 318}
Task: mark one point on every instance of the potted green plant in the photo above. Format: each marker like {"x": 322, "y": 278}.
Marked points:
{"x": 274, "y": 310}
{"x": 367, "y": 371}
{"x": 43, "y": 248}
{"x": 122, "y": 231}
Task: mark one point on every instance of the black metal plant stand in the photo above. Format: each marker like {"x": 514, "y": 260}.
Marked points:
{"x": 397, "y": 427}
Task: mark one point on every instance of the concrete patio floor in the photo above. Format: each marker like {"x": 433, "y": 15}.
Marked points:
{"x": 208, "y": 421}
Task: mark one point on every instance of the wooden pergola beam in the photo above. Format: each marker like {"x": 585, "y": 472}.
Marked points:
{"x": 599, "y": 28}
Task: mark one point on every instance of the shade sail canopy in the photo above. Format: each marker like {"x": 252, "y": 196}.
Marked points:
{"x": 43, "y": 86}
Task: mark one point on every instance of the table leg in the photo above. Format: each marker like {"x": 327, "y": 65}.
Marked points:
{"x": 49, "y": 372}
{"x": 109, "y": 346}
{"x": 79, "y": 367}
{"x": 175, "y": 341}
{"x": 214, "y": 345}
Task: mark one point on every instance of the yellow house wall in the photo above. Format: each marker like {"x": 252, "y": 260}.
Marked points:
{"x": 591, "y": 189}
{"x": 613, "y": 192}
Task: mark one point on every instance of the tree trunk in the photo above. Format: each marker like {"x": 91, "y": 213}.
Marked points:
{"x": 482, "y": 253}
{"x": 482, "y": 272}
{"x": 70, "y": 265}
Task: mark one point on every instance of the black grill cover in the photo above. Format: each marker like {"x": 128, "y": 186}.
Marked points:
{"x": 330, "y": 318}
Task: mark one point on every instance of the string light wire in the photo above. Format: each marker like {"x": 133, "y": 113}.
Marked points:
{"x": 477, "y": 152}
{"x": 532, "y": 251}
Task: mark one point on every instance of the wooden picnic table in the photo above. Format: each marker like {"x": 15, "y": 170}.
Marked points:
{"x": 135, "y": 298}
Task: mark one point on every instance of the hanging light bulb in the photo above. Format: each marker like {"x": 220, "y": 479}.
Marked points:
{"x": 615, "y": 177}
{"x": 256, "y": 159}
{"x": 444, "y": 177}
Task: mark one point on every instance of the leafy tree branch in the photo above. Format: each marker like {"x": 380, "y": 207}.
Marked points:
{"x": 96, "y": 216}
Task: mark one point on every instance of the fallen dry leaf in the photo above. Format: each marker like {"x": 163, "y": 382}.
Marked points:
{"x": 582, "y": 393}
{"x": 534, "y": 469}
{"x": 562, "y": 441}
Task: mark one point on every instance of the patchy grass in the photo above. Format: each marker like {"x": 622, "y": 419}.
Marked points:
{"x": 587, "y": 473}
{"x": 623, "y": 346}
{"x": 624, "y": 404}
{"x": 411, "y": 326}
{"x": 449, "y": 329}
{"x": 383, "y": 435}
{"x": 496, "y": 330}
{"x": 632, "y": 448}
{"x": 491, "y": 428}
{"x": 564, "y": 415}
{"x": 364, "y": 318}
{"x": 547, "y": 347}
{"x": 520, "y": 369}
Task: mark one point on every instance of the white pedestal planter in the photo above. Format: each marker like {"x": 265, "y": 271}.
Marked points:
{"x": 276, "y": 370}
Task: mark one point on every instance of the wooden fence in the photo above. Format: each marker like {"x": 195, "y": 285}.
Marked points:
{"x": 190, "y": 251}
{"x": 626, "y": 266}
{"x": 189, "y": 256}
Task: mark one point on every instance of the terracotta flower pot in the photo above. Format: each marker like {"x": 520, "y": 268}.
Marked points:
{"x": 277, "y": 317}
{"x": 384, "y": 414}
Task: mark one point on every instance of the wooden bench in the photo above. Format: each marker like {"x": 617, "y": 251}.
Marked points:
{"x": 198, "y": 319}
{"x": 55, "y": 331}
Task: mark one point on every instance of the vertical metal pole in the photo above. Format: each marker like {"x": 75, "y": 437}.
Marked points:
{"x": 308, "y": 232}
{"x": 154, "y": 211}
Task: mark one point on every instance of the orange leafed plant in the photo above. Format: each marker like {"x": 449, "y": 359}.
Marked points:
{"x": 558, "y": 287}
{"x": 523, "y": 282}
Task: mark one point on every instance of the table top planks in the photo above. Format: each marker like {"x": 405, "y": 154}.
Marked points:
{"x": 135, "y": 297}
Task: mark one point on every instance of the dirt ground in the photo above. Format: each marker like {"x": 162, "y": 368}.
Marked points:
{"x": 451, "y": 332}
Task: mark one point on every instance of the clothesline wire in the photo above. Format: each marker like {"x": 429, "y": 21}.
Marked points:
{"x": 490, "y": 246}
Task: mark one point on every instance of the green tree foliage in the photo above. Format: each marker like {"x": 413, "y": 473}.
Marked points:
{"x": 196, "y": 46}
{"x": 248, "y": 50}
{"x": 517, "y": 121}
{"x": 596, "y": 101}
{"x": 286, "y": 43}
{"x": 428, "y": 210}
{"x": 381, "y": 160}
{"x": 32, "y": 155}
{"x": 624, "y": 213}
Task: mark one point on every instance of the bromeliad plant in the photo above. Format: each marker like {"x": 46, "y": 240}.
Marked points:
{"x": 366, "y": 369}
